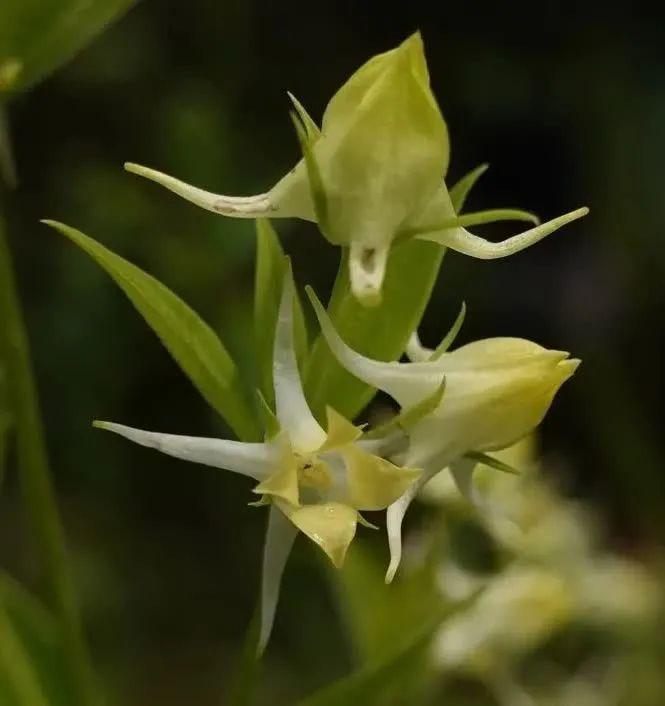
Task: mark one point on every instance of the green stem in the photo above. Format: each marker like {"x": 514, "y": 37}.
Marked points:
{"x": 16, "y": 667}
{"x": 35, "y": 476}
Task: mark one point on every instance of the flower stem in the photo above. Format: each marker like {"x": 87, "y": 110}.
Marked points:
{"x": 35, "y": 476}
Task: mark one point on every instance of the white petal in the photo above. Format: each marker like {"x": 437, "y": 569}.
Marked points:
{"x": 407, "y": 383}
{"x": 253, "y": 460}
{"x": 415, "y": 351}
{"x": 279, "y": 541}
{"x": 394, "y": 516}
{"x": 293, "y": 412}
{"x": 467, "y": 243}
{"x": 367, "y": 269}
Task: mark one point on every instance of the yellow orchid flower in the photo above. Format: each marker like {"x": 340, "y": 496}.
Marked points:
{"x": 373, "y": 174}
{"x": 496, "y": 391}
{"x": 315, "y": 481}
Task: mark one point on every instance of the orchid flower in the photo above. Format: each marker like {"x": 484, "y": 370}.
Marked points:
{"x": 496, "y": 391}
{"x": 372, "y": 175}
{"x": 315, "y": 481}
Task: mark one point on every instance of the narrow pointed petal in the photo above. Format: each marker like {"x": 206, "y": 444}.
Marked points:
{"x": 258, "y": 206}
{"x": 452, "y": 334}
{"x": 340, "y": 431}
{"x": 249, "y": 459}
{"x": 394, "y": 518}
{"x": 367, "y": 269}
{"x": 374, "y": 483}
{"x": 279, "y": 542}
{"x": 311, "y": 128}
{"x": 293, "y": 412}
{"x": 467, "y": 243}
{"x": 417, "y": 353}
{"x": 478, "y": 218}
{"x": 462, "y": 188}
{"x": 331, "y": 525}
{"x": 408, "y": 383}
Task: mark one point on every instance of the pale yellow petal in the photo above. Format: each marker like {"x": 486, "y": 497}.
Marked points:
{"x": 372, "y": 482}
{"x": 331, "y": 525}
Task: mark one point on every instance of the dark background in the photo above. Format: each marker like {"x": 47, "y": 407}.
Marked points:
{"x": 567, "y": 107}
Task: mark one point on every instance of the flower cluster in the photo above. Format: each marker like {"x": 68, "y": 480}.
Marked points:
{"x": 373, "y": 179}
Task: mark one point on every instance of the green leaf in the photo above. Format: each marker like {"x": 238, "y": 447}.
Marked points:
{"x": 268, "y": 283}
{"x": 401, "y": 670}
{"x": 38, "y": 36}
{"x": 191, "y": 342}
{"x": 246, "y": 672}
{"x": 5, "y": 422}
{"x": 7, "y": 166}
{"x": 33, "y": 666}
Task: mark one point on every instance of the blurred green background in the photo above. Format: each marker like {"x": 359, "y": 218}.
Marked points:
{"x": 567, "y": 107}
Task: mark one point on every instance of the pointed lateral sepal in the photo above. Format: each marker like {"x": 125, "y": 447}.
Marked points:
{"x": 460, "y": 191}
{"x": 467, "y": 243}
{"x": 316, "y": 189}
{"x": 492, "y": 462}
{"x": 410, "y": 416}
{"x": 311, "y": 128}
{"x": 257, "y": 206}
{"x": 452, "y": 334}
{"x": 249, "y": 459}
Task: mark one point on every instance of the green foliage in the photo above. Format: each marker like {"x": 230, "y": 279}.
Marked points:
{"x": 33, "y": 666}
{"x": 5, "y": 421}
{"x": 191, "y": 342}
{"x": 38, "y": 36}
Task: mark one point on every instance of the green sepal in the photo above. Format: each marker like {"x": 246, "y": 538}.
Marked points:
{"x": 316, "y": 189}
{"x": 492, "y": 462}
{"x": 459, "y": 192}
{"x": 192, "y": 343}
{"x": 311, "y": 128}
{"x": 452, "y": 334}
{"x": 407, "y": 418}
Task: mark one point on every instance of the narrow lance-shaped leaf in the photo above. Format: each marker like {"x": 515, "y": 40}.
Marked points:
{"x": 268, "y": 283}
{"x": 38, "y": 36}
{"x": 381, "y": 332}
{"x": 33, "y": 665}
{"x": 5, "y": 422}
{"x": 191, "y": 342}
